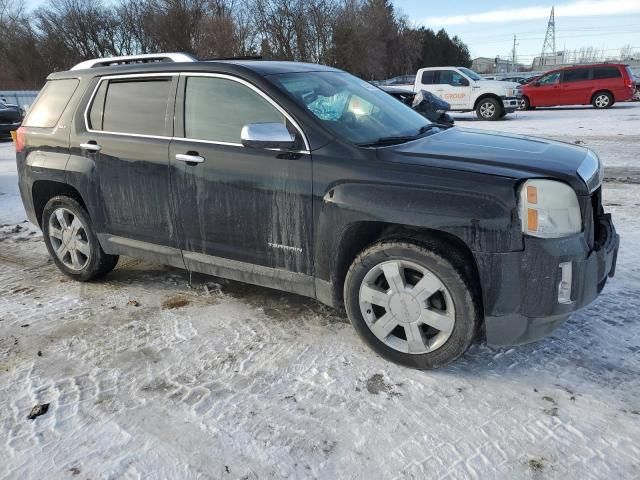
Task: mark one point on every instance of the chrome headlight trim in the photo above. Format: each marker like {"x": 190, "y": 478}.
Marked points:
{"x": 591, "y": 171}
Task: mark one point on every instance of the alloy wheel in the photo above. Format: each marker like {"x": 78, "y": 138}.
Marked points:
{"x": 602, "y": 101}
{"x": 407, "y": 306}
{"x": 69, "y": 239}
{"x": 487, "y": 110}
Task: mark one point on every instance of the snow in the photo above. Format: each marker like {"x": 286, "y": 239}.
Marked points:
{"x": 247, "y": 382}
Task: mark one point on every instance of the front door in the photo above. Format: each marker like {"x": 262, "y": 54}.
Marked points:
{"x": 122, "y": 145}
{"x": 547, "y": 90}
{"x": 249, "y": 205}
{"x": 453, "y": 88}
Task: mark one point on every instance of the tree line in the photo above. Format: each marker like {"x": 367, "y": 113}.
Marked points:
{"x": 368, "y": 38}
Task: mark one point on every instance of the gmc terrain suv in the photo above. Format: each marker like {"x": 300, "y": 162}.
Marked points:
{"x": 304, "y": 178}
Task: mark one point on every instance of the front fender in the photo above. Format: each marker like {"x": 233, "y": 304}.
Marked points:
{"x": 482, "y": 214}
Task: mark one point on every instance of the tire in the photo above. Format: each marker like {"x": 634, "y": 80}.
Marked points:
{"x": 489, "y": 109}
{"x": 370, "y": 297}
{"x": 66, "y": 228}
{"x": 525, "y": 104}
{"x": 602, "y": 100}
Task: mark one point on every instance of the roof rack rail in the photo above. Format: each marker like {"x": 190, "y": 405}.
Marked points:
{"x": 129, "y": 59}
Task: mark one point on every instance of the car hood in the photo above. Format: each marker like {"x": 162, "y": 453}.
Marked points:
{"x": 495, "y": 153}
{"x": 497, "y": 84}
{"x": 10, "y": 114}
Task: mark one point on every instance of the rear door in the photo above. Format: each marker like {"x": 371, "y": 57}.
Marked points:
{"x": 249, "y": 205}
{"x": 121, "y": 144}
{"x": 575, "y": 87}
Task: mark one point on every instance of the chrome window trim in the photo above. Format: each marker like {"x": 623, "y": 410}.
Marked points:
{"x": 259, "y": 92}
{"x": 117, "y": 77}
{"x": 307, "y": 150}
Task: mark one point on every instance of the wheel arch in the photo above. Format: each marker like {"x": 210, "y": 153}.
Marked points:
{"x": 485, "y": 96}
{"x": 602, "y": 90}
{"x": 44, "y": 190}
{"x": 359, "y": 236}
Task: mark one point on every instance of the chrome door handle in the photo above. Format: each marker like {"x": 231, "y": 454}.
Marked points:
{"x": 189, "y": 158}
{"x": 93, "y": 147}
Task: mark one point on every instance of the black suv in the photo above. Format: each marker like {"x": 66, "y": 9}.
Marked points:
{"x": 304, "y": 178}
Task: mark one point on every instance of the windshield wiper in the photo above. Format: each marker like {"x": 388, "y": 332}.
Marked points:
{"x": 400, "y": 138}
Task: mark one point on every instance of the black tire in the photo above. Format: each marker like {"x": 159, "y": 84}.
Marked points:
{"x": 489, "y": 109}
{"x": 602, "y": 100}
{"x": 525, "y": 104}
{"x": 98, "y": 263}
{"x": 459, "y": 286}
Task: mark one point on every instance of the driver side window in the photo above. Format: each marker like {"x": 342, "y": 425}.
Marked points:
{"x": 449, "y": 77}
{"x": 550, "y": 79}
{"x": 216, "y": 109}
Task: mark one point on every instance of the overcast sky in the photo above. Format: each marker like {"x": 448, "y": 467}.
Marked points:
{"x": 487, "y": 27}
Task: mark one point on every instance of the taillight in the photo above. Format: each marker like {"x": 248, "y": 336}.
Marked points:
{"x": 20, "y": 140}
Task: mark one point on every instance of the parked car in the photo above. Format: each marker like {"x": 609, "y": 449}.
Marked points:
{"x": 425, "y": 103}
{"x": 303, "y": 178}
{"x": 402, "y": 80}
{"x": 600, "y": 85}
{"x": 636, "y": 92}
{"x": 10, "y": 118}
{"x": 466, "y": 91}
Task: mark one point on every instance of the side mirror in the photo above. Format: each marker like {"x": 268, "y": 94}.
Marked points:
{"x": 536, "y": 84}
{"x": 464, "y": 82}
{"x": 267, "y": 135}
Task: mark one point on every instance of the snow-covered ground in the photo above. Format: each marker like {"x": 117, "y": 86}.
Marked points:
{"x": 147, "y": 377}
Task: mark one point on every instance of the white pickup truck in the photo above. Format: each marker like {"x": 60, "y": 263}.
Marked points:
{"x": 465, "y": 90}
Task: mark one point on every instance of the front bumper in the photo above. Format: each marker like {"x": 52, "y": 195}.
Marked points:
{"x": 510, "y": 104}
{"x": 524, "y": 303}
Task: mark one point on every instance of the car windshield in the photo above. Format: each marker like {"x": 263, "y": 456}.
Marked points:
{"x": 471, "y": 74}
{"x": 352, "y": 108}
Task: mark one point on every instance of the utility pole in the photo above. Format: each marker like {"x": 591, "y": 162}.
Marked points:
{"x": 513, "y": 55}
{"x": 549, "y": 45}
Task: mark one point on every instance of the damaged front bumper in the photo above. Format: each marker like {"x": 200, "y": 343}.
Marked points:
{"x": 535, "y": 290}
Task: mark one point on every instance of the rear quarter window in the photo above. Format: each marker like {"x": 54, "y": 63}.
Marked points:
{"x": 51, "y": 102}
{"x": 600, "y": 73}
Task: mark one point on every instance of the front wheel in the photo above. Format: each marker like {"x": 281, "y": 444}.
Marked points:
{"x": 410, "y": 304}
{"x": 71, "y": 241}
{"x": 525, "y": 104}
{"x": 489, "y": 109}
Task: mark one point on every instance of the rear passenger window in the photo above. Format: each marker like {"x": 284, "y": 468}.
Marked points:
{"x": 577, "y": 75}
{"x": 427, "y": 77}
{"x": 216, "y": 109}
{"x": 132, "y": 106}
{"x": 51, "y": 102}
{"x": 600, "y": 73}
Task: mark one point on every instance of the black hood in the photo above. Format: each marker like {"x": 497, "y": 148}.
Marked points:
{"x": 496, "y": 153}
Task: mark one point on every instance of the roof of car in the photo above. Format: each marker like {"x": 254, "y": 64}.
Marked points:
{"x": 259, "y": 67}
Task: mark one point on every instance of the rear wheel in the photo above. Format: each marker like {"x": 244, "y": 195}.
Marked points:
{"x": 411, "y": 305}
{"x": 602, "y": 100}
{"x": 71, "y": 241}
{"x": 489, "y": 109}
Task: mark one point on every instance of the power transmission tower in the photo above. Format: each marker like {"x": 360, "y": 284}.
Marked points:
{"x": 549, "y": 45}
{"x": 513, "y": 55}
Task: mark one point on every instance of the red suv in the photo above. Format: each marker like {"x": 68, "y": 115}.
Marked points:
{"x": 600, "y": 85}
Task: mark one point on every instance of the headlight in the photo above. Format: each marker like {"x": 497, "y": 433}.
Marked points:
{"x": 549, "y": 209}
